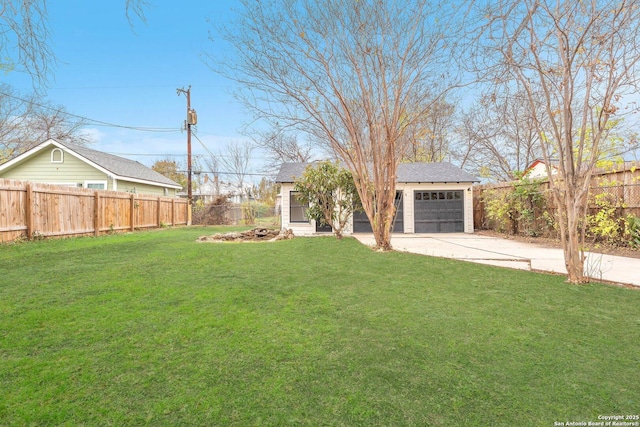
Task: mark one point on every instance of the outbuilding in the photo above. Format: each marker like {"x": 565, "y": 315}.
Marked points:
{"x": 430, "y": 198}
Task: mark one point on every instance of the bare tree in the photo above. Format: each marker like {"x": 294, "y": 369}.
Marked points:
{"x": 25, "y": 37}
{"x": 13, "y": 113}
{"x": 54, "y": 122}
{"x": 212, "y": 166}
{"x": 355, "y": 75}
{"x": 236, "y": 162}
{"x": 497, "y": 137}
{"x": 574, "y": 61}
{"x": 282, "y": 147}
{"x": 25, "y": 124}
{"x": 136, "y": 8}
{"x": 429, "y": 138}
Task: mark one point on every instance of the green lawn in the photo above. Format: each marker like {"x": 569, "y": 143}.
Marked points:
{"x": 154, "y": 329}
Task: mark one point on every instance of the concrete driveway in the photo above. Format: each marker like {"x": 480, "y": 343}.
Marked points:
{"x": 511, "y": 254}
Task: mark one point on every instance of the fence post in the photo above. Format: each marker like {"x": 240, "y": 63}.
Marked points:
{"x": 132, "y": 216}
{"x": 173, "y": 212}
{"x": 159, "y": 205}
{"x": 96, "y": 214}
{"x": 29, "y": 212}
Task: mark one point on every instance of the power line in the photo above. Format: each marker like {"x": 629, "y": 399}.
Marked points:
{"x": 125, "y": 87}
{"x": 230, "y": 173}
{"x": 174, "y": 154}
{"x": 205, "y": 147}
{"x": 93, "y": 122}
{"x": 148, "y": 154}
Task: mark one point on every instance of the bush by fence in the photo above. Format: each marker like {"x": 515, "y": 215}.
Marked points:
{"x": 527, "y": 208}
{"x": 30, "y": 210}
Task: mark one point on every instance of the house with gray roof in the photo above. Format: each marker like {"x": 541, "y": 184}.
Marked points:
{"x": 71, "y": 165}
{"x": 430, "y": 198}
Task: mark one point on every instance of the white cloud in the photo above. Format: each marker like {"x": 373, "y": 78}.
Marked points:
{"x": 93, "y": 134}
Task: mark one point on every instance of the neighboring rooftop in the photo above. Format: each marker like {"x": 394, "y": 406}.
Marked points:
{"x": 119, "y": 165}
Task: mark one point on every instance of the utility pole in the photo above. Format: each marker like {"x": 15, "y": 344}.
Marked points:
{"x": 191, "y": 120}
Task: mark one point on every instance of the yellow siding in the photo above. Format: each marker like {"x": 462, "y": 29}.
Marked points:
{"x": 73, "y": 172}
{"x": 39, "y": 168}
{"x": 137, "y": 188}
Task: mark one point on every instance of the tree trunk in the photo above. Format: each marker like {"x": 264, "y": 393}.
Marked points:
{"x": 377, "y": 197}
{"x": 573, "y": 254}
{"x": 570, "y": 211}
{"x": 381, "y": 224}
{"x": 382, "y": 234}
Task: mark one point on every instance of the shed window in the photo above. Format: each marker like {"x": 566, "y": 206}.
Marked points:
{"x": 297, "y": 209}
{"x": 57, "y": 156}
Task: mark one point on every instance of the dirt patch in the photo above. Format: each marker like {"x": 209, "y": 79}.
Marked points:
{"x": 255, "y": 235}
{"x": 555, "y": 243}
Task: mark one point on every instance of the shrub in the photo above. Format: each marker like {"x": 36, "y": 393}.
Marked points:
{"x": 497, "y": 209}
{"x": 632, "y": 229}
{"x": 214, "y": 213}
{"x": 606, "y": 225}
{"x": 330, "y": 192}
{"x": 514, "y": 211}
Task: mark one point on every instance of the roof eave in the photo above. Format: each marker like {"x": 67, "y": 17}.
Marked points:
{"x": 142, "y": 181}
{"x": 28, "y": 153}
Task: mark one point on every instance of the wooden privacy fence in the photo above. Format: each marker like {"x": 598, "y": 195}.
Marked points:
{"x": 29, "y": 209}
{"x": 626, "y": 198}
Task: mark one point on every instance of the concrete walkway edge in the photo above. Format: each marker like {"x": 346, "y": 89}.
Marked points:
{"x": 511, "y": 254}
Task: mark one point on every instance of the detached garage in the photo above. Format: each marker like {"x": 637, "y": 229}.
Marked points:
{"x": 430, "y": 198}
{"x": 438, "y": 211}
{"x": 361, "y": 222}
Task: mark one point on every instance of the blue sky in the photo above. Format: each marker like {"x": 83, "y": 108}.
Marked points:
{"x": 108, "y": 72}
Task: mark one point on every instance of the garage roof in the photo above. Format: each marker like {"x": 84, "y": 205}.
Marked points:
{"x": 407, "y": 172}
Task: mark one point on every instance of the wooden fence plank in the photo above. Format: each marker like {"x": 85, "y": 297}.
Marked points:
{"x": 16, "y": 228}
{"x": 96, "y": 213}
{"x": 27, "y": 208}
{"x": 132, "y": 213}
{"x": 158, "y": 220}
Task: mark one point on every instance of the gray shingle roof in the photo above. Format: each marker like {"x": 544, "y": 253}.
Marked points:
{"x": 289, "y": 172}
{"x": 120, "y": 166}
{"x": 407, "y": 172}
{"x": 433, "y": 172}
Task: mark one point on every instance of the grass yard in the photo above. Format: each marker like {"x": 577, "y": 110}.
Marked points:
{"x": 154, "y": 329}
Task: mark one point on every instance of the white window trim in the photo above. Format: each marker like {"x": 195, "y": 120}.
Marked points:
{"x": 291, "y": 220}
{"x": 61, "y": 155}
{"x": 87, "y": 183}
